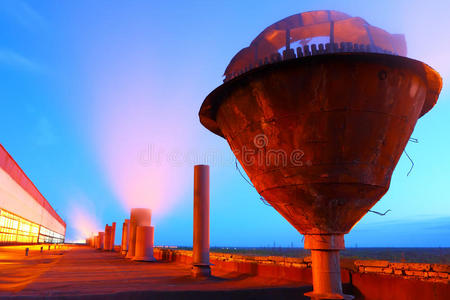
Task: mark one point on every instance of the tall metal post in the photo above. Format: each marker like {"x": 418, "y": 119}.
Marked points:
{"x": 201, "y": 266}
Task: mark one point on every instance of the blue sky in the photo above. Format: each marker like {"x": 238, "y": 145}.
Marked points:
{"x": 92, "y": 91}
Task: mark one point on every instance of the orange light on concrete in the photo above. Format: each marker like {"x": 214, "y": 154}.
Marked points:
{"x": 144, "y": 243}
{"x": 201, "y": 263}
{"x": 138, "y": 217}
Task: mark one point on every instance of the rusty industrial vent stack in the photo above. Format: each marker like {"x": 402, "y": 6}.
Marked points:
{"x": 320, "y": 135}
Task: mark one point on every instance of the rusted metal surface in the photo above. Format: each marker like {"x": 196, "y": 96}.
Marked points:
{"x": 311, "y": 33}
{"x": 320, "y": 136}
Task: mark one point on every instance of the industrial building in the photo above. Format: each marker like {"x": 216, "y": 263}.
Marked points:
{"x": 26, "y": 217}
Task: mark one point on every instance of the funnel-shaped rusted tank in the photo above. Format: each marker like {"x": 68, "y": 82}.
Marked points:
{"x": 320, "y": 136}
{"x": 320, "y": 130}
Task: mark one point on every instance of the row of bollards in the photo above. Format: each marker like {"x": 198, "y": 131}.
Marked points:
{"x": 138, "y": 234}
{"x": 27, "y": 250}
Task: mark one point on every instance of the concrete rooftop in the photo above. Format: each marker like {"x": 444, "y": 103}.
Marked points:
{"x": 82, "y": 272}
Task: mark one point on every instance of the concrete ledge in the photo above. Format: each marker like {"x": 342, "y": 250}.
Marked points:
{"x": 431, "y": 272}
{"x": 370, "y": 286}
{"x": 372, "y": 263}
{"x": 367, "y": 279}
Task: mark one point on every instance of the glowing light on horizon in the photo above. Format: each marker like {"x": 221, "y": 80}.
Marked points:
{"x": 140, "y": 132}
{"x": 140, "y": 153}
{"x": 83, "y": 222}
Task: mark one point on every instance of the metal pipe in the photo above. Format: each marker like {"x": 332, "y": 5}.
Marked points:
{"x": 288, "y": 40}
{"x": 201, "y": 266}
{"x": 326, "y": 269}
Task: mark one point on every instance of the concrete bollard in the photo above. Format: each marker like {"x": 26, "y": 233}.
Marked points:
{"x": 42, "y": 249}
{"x": 107, "y": 241}
{"x": 26, "y": 251}
{"x": 125, "y": 234}
{"x": 201, "y": 266}
{"x": 144, "y": 243}
{"x": 131, "y": 240}
{"x": 138, "y": 217}
{"x": 101, "y": 240}
{"x": 113, "y": 236}
{"x": 326, "y": 270}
